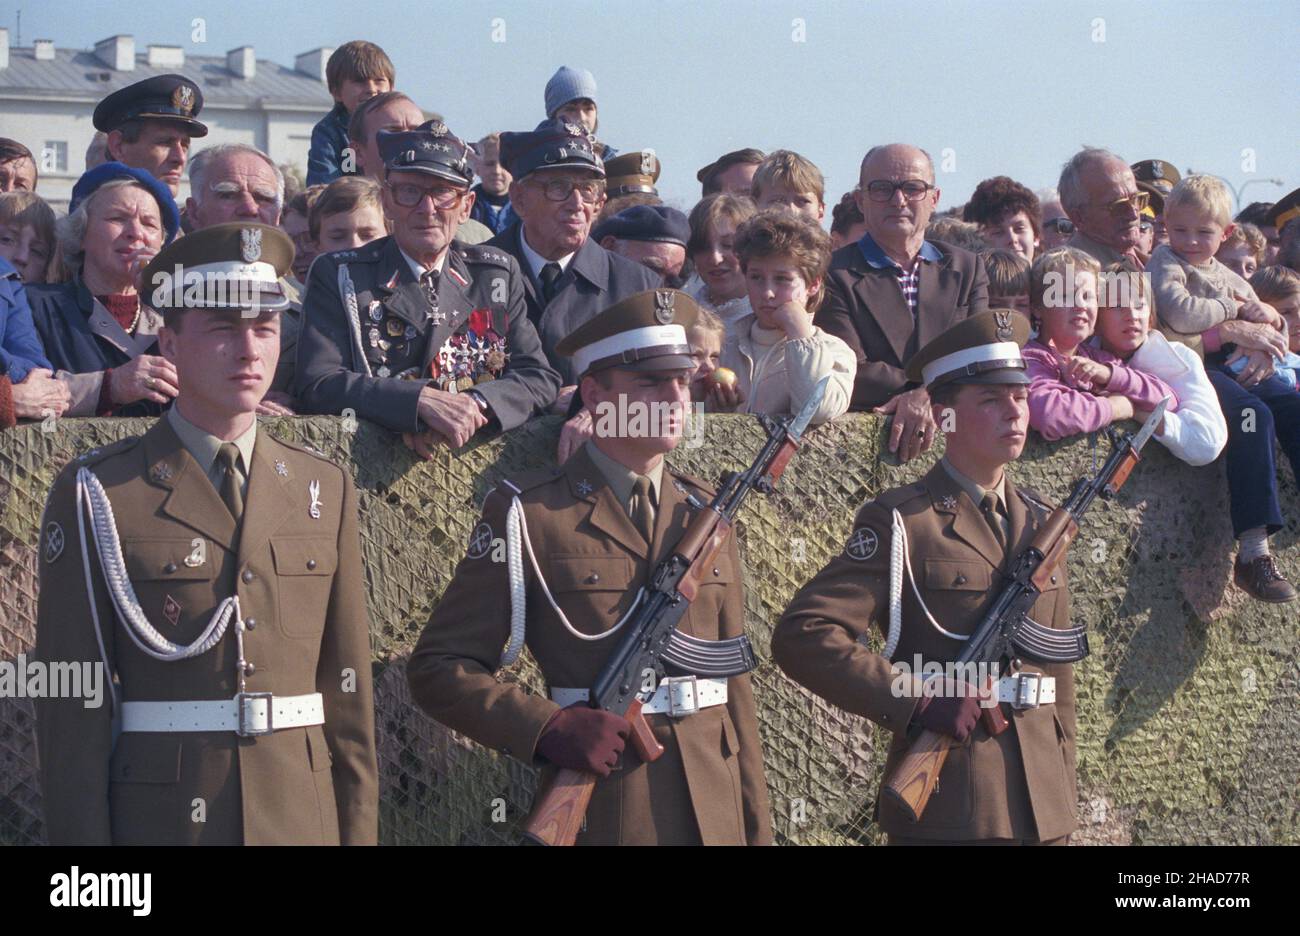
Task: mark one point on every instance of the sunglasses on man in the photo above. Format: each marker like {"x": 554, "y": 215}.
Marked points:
{"x": 1063, "y": 226}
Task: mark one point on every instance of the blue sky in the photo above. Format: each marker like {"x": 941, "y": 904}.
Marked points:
{"x": 998, "y": 87}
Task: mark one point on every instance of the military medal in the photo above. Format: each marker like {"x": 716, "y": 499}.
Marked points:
{"x": 314, "y": 490}
{"x": 376, "y": 311}
{"x": 410, "y": 332}
{"x": 172, "y": 611}
{"x": 382, "y": 371}
{"x": 373, "y": 335}
{"x": 394, "y": 327}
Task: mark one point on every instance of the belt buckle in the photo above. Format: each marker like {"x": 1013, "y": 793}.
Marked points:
{"x": 680, "y": 712}
{"x": 241, "y": 706}
{"x": 1027, "y": 691}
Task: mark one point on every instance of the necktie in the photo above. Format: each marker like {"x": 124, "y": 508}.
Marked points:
{"x": 643, "y": 514}
{"x": 228, "y": 458}
{"x": 550, "y": 275}
{"x": 429, "y": 281}
{"x": 990, "y": 507}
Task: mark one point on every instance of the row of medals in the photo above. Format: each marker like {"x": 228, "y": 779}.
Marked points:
{"x": 399, "y": 340}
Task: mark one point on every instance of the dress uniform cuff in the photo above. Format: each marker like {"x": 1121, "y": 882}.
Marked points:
{"x": 895, "y": 710}
{"x": 523, "y": 737}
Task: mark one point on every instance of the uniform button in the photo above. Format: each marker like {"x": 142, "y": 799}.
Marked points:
{"x": 959, "y": 580}
{"x": 247, "y": 576}
{"x": 1053, "y": 579}
{"x": 593, "y": 578}
{"x": 169, "y": 568}
{"x": 717, "y": 571}
{"x": 251, "y": 624}
{"x": 311, "y": 563}
{"x": 249, "y": 669}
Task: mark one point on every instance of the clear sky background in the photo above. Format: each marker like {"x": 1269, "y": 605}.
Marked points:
{"x": 993, "y": 87}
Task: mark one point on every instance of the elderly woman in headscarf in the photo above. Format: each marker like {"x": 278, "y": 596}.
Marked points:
{"x": 97, "y": 332}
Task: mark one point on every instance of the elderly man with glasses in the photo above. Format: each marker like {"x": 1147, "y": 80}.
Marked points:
{"x": 892, "y": 291}
{"x": 412, "y": 331}
{"x": 1101, "y": 195}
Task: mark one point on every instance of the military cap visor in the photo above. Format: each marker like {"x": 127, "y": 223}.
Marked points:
{"x": 163, "y": 97}
{"x": 234, "y": 266}
{"x": 983, "y": 349}
{"x": 644, "y": 332}
{"x": 1285, "y": 211}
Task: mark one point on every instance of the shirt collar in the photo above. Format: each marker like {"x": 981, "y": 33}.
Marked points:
{"x": 877, "y": 258}
{"x": 535, "y": 260}
{"x": 203, "y": 446}
{"x": 622, "y": 479}
{"x": 973, "y": 490}
{"x": 419, "y": 269}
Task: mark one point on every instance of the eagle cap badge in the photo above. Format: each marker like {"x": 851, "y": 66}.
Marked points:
{"x": 250, "y": 244}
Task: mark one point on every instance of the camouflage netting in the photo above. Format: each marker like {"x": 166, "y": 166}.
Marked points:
{"x": 1188, "y": 720}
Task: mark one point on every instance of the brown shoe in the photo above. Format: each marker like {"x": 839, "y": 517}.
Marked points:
{"x": 1262, "y": 581}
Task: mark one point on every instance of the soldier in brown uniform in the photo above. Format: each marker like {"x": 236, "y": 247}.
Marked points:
{"x": 959, "y": 528}
{"x": 215, "y": 572}
{"x": 591, "y": 533}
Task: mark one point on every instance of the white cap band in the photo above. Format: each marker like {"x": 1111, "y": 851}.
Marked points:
{"x": 1001, "y": 351}
{"x": 649, "y": 337}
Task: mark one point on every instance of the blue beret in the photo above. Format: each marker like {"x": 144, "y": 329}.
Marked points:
{"x": 162, "y": 97}
{"x": 430, "y": 148}
{"x": 554, "y": 144}
{"x": 90, "y": 182}
{"x": 646, "y": 223}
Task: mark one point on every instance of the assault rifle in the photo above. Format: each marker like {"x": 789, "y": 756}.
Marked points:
{"x": 652, "y": 647}
{"x": 1007, "y": 631}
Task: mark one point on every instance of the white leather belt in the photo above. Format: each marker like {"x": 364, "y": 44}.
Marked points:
{"x": 247, "y": 714}
{"x": 1027, "y": 690}
{"x": 676, "y": 696}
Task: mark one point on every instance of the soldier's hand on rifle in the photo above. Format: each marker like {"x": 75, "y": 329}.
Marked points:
{"x": 913, "y": 428}
{"x": 955, "y": 717}
{"x": 585, "y": 739}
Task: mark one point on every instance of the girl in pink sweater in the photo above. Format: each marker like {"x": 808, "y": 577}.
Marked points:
{"x": 1075, "y": 388}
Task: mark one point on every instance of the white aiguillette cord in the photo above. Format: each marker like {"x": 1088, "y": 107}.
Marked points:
{"x": 517, "y": 531}
{"x": 142, "y": 633}
{"x": 899, "y": 560}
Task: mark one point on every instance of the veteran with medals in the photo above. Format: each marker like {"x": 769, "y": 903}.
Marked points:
{"x": 585, "y": 537}
{"x": 214, "y": 573}
{"x": 427, "y": 337}
{"x": 922, "y": 564}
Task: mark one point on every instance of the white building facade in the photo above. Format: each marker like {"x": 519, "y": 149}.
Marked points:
{"x": 47, "y": 96}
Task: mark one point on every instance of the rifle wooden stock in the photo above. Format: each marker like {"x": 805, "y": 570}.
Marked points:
{"x": 1122, "y": 472}
{"x": 917, "y": 774}
{"x": 699, "y": 546}
{"x": 558, "y": 808}
{"x": 1053, "y": 541}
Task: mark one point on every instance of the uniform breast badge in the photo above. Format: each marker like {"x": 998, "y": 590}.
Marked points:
{"x": 53, "y": 541}
{"x": 314, "y": 490}
{"x": 172, "y": 611}
{"x": 584, "y": 488}
{"x": 281, "y": 468}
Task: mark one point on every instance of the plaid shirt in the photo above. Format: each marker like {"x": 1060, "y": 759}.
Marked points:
{"x": 909, "y": 280}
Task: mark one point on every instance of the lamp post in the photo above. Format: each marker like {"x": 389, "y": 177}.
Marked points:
{"x": 1237, "y": 190}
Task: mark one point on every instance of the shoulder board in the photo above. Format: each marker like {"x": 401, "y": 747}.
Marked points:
{"x": 115, "y": 448}
{"x": 1031, "y": 498}
{"x": 901, "y": 495}
{"x": 366, "y": 253}
{"x": 512, "y": 487}
{"x": 695, "y": 482}
{"x": 302, "y": 447}
{"x": 477, "y": 253}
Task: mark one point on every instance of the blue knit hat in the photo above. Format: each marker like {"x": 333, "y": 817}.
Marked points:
{"x": 91, "y": 180}
{"x": 569, "y": 84}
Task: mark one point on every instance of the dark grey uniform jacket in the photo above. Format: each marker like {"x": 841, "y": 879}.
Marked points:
{"x": 594, "y": 280}
{"x": 401, "y": 336}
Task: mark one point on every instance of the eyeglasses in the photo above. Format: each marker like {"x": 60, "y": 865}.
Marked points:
{"x": 1060, "y": 226}
{"x": 1121, "y": 206}
{"x": 882, "y": 190}
{"x": 408, "y": 196}
{"x": 558, "y": 190}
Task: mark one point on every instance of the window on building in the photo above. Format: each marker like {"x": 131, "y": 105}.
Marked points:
{"x": 54, "y": 156}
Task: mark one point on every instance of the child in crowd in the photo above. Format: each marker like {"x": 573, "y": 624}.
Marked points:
{"x": 718, "y": 284}
{"x": 347, "y": 215}
{"x": 777, "y": 353}
{"x": 1242, "y": 250}
{"x": 1279, "y": 287}
{"x": 847, "y": 223}
{"x": 295, "y": 221}
{"x": 1197, "y": 432}
{"x": 27, "y": 234}
{"x": 1008, "y": 280}
{"x": 1069, "y": 391}
{"x": 492, "y": 194}
{"x": 1194, "y": 291}
{"x": 787, "y": 180}
{"x": 355, "y": 72}
{"x": 706, "y": 337}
